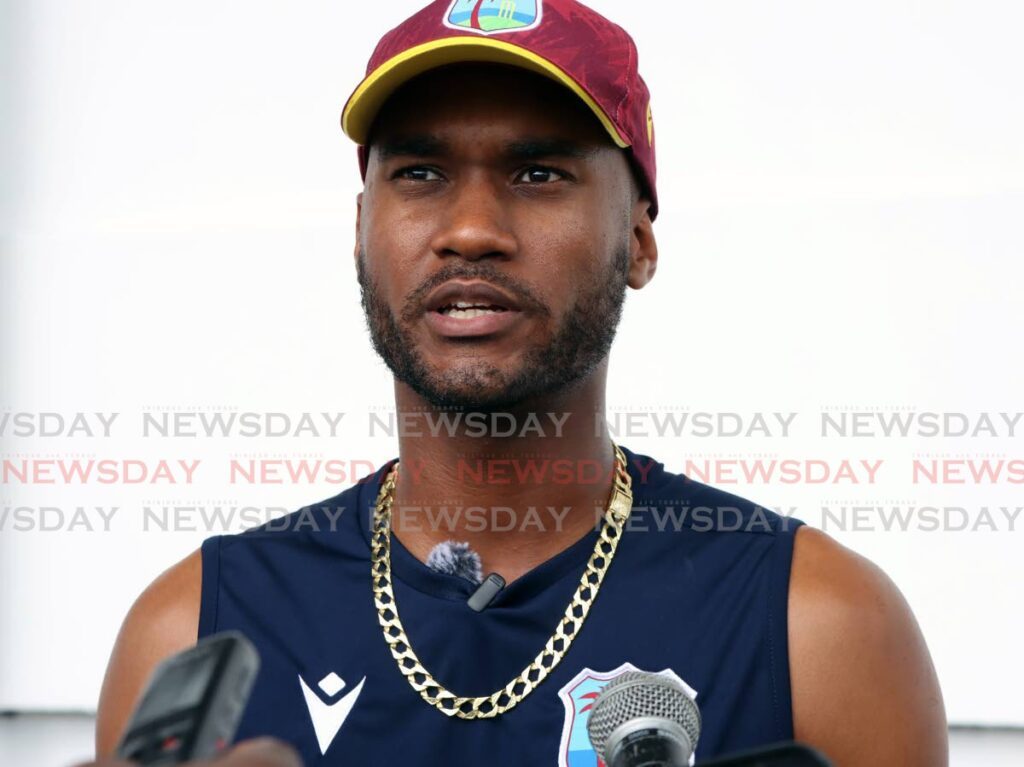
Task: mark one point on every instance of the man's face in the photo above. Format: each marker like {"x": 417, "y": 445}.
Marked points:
{"x": 487, "y": 176}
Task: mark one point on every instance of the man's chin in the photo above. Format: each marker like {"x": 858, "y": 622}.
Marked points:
{"x": 461, "y": 398}
{"x": 470, "y": 394}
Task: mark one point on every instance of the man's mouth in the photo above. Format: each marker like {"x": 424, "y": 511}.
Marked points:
{"x": 464, "y": 300}
{"x": 464, "y": 310}
{"x": 471, "y": 310}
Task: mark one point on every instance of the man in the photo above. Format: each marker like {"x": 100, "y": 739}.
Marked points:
{"x": 508, "y": 158}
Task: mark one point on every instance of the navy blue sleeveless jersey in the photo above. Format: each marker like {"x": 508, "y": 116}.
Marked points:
{"x": 697, "y": 590}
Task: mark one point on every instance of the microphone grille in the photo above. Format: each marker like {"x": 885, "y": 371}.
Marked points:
{"x": 636, "y": 694}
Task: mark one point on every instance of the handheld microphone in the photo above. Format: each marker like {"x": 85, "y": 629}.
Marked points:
{"x": 192, "y": 703}
{"x": 647, "y": 720}
{"x": 644, "y": 720}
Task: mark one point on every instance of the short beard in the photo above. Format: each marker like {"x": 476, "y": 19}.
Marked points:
{"x": 582, "y": 341}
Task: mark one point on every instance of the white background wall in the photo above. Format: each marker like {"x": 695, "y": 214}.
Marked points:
{"x": 841, "y": 188}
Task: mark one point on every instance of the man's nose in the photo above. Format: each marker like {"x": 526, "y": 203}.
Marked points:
{"x": 476, "y": 223}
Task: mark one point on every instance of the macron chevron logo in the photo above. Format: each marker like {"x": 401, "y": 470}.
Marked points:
{"x": 328, "y": 717}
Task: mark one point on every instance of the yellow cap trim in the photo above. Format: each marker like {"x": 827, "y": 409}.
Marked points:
{"x": 373, "y": 91}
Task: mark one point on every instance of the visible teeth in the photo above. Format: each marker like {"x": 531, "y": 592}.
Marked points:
{"x": 466, "y": 314}
{"x": 467, "y": 309}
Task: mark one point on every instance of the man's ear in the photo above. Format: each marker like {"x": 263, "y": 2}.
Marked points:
{"x": 359, "y": 218}
{"x": 643, "y": 256}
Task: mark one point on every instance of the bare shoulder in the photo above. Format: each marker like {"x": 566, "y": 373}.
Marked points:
{"x": 864, "y": 687}
{"x": 163, "y": 621}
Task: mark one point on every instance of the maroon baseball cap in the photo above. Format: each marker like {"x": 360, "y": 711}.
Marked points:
{"x": 561, "y": 39}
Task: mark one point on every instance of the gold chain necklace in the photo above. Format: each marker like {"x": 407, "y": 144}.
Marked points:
{"x": 487, "y": 706}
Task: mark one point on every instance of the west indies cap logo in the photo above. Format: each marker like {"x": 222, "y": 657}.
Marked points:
{"x": 578, "y": 696}
{"x": 487, "y": 17}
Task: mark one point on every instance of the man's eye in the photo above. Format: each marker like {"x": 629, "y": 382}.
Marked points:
{"x": 417, "y": 173}
{"x": 540, "y": 175}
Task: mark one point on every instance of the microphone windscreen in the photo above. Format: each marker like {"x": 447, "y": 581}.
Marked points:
{"x": 456, "y": 558}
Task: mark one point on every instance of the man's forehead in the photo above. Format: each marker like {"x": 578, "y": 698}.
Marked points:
{"x": 520, "y": 147}
{"x": 522, "y": 104}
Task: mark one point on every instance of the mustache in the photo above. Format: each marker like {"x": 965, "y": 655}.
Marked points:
{"x": 412, "y": 307}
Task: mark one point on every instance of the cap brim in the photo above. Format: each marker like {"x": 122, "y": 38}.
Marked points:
{"x": 367, "y": 99}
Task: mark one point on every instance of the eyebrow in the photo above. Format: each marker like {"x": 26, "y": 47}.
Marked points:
{"x": 424, "y": 145}
{"x": 419, "y": 145}
{"x": 536, "y": 148}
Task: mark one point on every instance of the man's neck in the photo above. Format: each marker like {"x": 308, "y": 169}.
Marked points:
{"x": 519, "y": 486}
